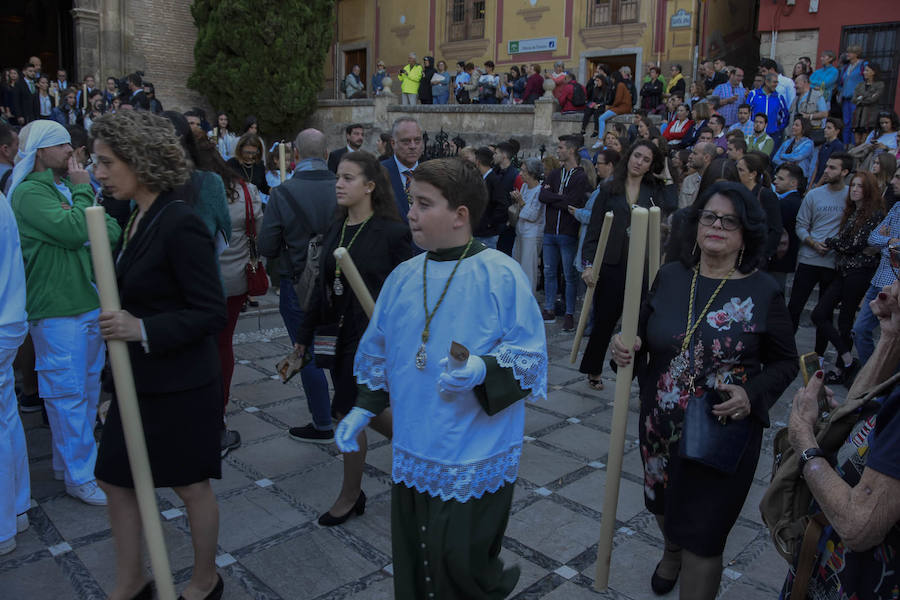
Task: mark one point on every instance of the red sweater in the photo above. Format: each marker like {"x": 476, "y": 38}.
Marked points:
{"x": 534, "y": 86}
{"x": 565, "y": 98}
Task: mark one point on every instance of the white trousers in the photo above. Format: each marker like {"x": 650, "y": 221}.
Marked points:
{"x": 15, "y": 484}
{"x": 69, "y": 355}
{"x": 526, "y": 251}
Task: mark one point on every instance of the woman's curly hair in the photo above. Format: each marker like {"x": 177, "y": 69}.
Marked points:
{"x": 148, "y": 144}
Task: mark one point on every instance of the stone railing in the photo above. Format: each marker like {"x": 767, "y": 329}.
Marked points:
{"x": 478, "y": 124}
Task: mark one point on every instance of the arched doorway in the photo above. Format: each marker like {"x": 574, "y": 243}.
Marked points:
{"x": 41, "y": 28}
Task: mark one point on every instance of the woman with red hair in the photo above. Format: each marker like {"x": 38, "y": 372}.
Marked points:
{"x": 854, "y": 267}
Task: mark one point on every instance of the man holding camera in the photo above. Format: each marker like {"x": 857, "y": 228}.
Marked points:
{"x": 410, "y": 76}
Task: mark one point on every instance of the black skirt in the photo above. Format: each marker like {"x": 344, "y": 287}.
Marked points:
{"x": 183, "y": 432}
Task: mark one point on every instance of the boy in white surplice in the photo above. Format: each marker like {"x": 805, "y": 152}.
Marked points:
{"x": 457, "y": 427}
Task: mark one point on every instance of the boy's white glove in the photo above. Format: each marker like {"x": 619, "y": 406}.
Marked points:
{"x": 462, "y": 379}
{"x": 348, "y": 429}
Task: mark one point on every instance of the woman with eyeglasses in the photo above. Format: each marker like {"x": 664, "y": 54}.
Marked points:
{"x": 715, "y": 347}
{"x": 854, "y": 270}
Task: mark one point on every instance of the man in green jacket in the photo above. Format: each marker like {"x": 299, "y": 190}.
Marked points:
{"x": 49, "y": 193}
{"x": 410, "y": 76}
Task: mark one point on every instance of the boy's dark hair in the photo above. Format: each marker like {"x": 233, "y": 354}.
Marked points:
{"x": 6, "y": 134}
{"x": 79, "y": 136}
{"x": 739, "y": 143}
{"x": 846, "y": 160}
{"x": 836, "y": 123}
{"x": 763, "y": 115}
{"x": 516, "y": 146}
{"x": 703, "y": 130}
{"x": 484, "y": 156}
{"x": 768, "y": 63}
{"x": 458, "y": 181}
{"x": 349, "y": 128}
{"x": 744, "y": 105}
{"x": 135, "y": 79}
{"x": 794, "y": 171}
{"x": 719, "y": 119}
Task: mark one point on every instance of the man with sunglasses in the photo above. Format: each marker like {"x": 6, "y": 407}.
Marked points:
{"x": 886, "y": 237}
{"x": 818, "y": 219}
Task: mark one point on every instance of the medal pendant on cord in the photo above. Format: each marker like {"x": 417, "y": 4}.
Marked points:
{"x": 421, "y": 357}
{"x": 338, "y": 287}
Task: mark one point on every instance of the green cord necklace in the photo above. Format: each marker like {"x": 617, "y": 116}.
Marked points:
{"x": 421, "y": 355}
{"x": 338, "y": 285}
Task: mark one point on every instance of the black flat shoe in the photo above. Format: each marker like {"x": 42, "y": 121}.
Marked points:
{"x": 661, "y": 585}
{"x": 146, "y": 592}
{"x": 216, "y": 593}
{"x": 329, "y": 520}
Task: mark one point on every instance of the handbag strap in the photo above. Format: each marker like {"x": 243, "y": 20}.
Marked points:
{"x": 249, "y": 221}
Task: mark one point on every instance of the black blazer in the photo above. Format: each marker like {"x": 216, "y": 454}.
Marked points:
{"x": 382, "y": 245}
{"x": 168, "y": 277}
{"x": 26, "y": 104}
{"x": 495, "y": 213}
{"x": 397, "y": 183}
{"x": 138, "y": 100}
{"x": 665, "y": 197}
{"x": 334, "y": 158}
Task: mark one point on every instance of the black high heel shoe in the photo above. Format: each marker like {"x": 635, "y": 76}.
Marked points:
{"x": 216, "y": 593}
{"x": 329, "y": 520}
{"x": 146, "y": 592}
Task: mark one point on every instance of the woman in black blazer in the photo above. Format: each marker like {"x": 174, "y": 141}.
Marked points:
{"x": 372, "y": 232}
{"x": 172, "y": 309}
{"x": 641, "y": 178}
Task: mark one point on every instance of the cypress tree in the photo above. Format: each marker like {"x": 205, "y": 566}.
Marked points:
{"x": 262, "y": 57}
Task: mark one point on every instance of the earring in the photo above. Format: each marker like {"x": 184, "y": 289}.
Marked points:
{"x": 740, "y": 259}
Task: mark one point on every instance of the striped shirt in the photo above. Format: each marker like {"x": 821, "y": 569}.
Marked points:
{"x": 885, "y": 275}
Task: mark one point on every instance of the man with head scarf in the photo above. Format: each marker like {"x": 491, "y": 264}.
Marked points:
{"x": 49, "y": 193}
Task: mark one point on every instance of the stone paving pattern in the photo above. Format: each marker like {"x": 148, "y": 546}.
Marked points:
{"x": 273, "y": 489}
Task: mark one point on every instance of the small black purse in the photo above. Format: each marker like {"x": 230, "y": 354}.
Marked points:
{"x": 707, "y": 440}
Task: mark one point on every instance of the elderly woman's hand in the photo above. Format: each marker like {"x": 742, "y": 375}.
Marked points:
{"x": 621, "y": 355}
{"x": 804, "y": 413}
{"x": 736, "y": 407}
{"x": 120, "y": 325}
{"x": 886, "y": 306}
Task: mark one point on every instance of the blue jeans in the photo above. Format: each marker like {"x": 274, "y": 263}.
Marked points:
{"x": 490, "y": 242}
{"x": 601, "y": 122}
{"x": 847, "y": 109}
{"x": 560, "y": 247}
{"x": 865, "y": 324}
{"x": 315, "y": 386}
{"x": 442, "y": 98}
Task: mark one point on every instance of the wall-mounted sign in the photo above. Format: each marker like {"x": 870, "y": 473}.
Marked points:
{"x": 533, "y": 45}
{"x": 681, "y": 19}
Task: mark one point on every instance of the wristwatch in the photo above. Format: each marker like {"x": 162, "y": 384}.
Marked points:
{"x": 809, "y": 454}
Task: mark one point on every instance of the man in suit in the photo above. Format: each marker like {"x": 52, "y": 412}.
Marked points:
{"x": 299, "y": 209}
{"x": 91, "y": 85}
{"x": 62, "y": 79}
{"x": 49, "y": 193}
{"x": 354, "y": 135}
{"x": 494, "y": 218}
{"x": 408, "y": 145}
{"x": 138, "y": 98}
{"x": 25, "y": 100}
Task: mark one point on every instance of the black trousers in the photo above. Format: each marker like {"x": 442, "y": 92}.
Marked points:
{"x": 592, "y": 115}
{"x": 848, "y": 289}
{"x": 805, "y": 279}
{"x": 609, "y": 298}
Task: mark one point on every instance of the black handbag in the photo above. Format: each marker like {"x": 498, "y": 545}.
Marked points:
{"x": 707, "y": 440}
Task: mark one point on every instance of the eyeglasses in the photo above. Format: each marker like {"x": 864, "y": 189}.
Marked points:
{"x": 729, "y": 222}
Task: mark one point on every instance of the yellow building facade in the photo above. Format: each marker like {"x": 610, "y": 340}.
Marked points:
{"x": 579, "y": 33}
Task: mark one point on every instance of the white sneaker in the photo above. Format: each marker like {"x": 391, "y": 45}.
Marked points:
{"x": 59, "y": 475}
{"x": 89, "y": 493}
{"x": 7, "y": 546}
{"x": 22, "y": 522}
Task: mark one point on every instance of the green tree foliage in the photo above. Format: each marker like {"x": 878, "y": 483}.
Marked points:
{"x": 262, "y": 57}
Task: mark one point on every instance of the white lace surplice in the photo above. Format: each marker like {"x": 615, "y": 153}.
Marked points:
{"x": 446, "y": 444}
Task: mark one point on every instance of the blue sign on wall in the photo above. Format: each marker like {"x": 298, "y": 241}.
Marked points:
{"x": 680, "y": 19}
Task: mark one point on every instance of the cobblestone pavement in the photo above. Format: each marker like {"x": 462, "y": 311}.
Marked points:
{"x": 273, "y": 489}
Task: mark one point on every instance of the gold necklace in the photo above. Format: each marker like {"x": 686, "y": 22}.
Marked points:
{"x": 421, "y": 356}
{"x": 338, "y": 286}
{"x": 689, "y": 332}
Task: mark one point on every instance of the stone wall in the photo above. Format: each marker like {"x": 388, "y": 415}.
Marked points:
{"x": 789, "y": 46}
{"x": 531, "y": 125}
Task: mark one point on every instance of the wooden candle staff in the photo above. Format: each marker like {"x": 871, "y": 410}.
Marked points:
{"x": 653, "y": 241}
{"x": 120, "y": 362}
{"x": 282, "y": 167}
{"x": 348, "y": 268}
{"x": 634, "y": 277}
{"x": 589, "y": 294}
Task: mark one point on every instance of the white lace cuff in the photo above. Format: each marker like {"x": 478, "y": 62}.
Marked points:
{"x": 529, "y": 369}
{"x": 369, "y": 370}
{"x": 456, "y": 482}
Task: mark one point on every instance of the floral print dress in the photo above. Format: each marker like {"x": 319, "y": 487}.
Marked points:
{"x": 746, "y": 339}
